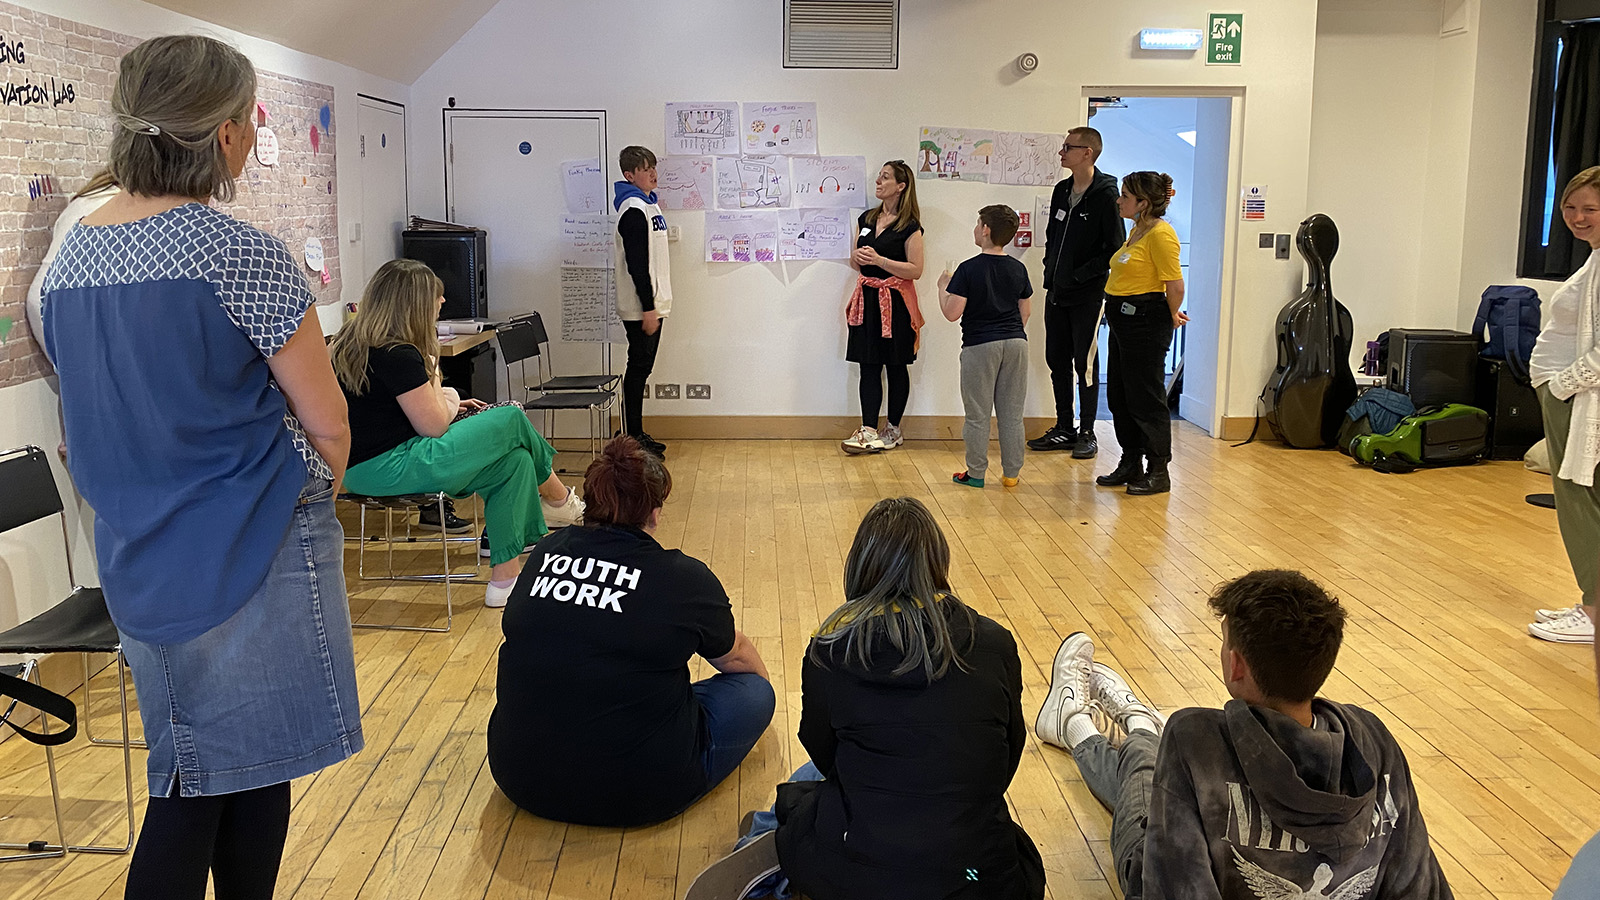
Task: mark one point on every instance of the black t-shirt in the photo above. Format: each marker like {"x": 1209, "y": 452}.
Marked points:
{"x": 594, "y": 721}
{"x": 377, "y": 423}
{"x": 993, "y": 284}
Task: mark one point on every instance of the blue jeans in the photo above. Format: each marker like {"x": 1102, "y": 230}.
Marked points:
{"x": 738, "y": 708}
{"x": 766, "y": 820}
{"x": 1582, "y": 880}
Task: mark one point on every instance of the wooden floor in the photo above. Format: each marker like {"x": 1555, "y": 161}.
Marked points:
{"x": 1440, "y": 570}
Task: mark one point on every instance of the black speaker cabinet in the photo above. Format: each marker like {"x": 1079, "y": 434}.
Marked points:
{"x": 1514, "y": 420}
{"x": 461, "y": 260}
{"x": 1433, "y": 367}
{"x": 473, "y": 373}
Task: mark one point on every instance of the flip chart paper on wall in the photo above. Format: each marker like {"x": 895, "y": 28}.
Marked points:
{"x": 588, "y": 305}
{"x": 744, "y": 236}
{"x": 815, "y": 233}
{"x": 694, "y": 128}
{"x": 954, "y": 153}
{"x": 752, "y": 182}
{"x": 586, "y": 241}
{"x": 585, "y": 184}
{"x": 789, "y": 129}
{"x": 1026, "y": 158}
{"x": 830, "y": 181}
{"x": 686, "y": 182}
{"x": 1041, "y": 218}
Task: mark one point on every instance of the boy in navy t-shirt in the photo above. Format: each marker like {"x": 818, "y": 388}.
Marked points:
{"x": 989, "y": 294}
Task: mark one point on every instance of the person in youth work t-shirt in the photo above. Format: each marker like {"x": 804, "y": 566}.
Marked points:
{"x": 596, "y": 721}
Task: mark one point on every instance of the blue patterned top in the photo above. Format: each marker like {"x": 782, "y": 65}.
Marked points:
{"x": 161, "y": 330}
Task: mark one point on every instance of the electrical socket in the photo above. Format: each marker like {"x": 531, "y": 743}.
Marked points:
{"x": 698, "y": 391}
{"x": 674, "y": 233}
{"x": 667, "y": 392}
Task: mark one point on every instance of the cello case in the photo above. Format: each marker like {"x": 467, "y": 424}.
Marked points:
{"x": 1312, "y": 386}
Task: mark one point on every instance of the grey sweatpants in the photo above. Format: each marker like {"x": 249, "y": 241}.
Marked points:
{"x": 1577, "y": 507}
{"x": 1122, "y": 780}
{"x": 994, "y": 381}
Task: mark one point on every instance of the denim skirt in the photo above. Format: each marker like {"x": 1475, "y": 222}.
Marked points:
{"x": 268, "y": 695}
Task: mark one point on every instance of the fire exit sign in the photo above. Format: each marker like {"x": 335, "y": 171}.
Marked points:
{"x": 1224, "y": 38}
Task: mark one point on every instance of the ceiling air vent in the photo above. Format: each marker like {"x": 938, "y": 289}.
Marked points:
{"x": 841, "y": 34}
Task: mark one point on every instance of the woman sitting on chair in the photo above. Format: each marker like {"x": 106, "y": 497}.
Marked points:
{"x": 407, "y": 435}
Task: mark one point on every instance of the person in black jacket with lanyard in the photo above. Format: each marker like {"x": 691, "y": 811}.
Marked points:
{"x": 1083, "y": 232}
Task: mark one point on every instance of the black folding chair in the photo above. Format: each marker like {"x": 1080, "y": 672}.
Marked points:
{"x": 524, "y": 338}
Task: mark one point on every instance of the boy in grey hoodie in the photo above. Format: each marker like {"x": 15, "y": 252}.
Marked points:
{"x": 1280, "y": 795}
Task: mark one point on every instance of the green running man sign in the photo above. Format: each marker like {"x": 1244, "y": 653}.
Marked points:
{"x": 1224, "y": 38}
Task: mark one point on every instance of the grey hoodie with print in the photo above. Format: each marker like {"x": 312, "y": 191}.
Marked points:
{"x": 1250, "y": 805}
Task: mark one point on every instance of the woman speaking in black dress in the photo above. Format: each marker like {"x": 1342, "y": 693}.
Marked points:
{"x": 882, "y": 313}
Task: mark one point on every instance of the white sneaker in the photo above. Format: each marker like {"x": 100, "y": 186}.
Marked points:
{"x": 1117, "y": 700}
{"x": 567, "y": 512}
{"x": 865, "y": 440}
{"x": 1069, "y": 689}
{"x": 1573, "y": 628}
{"x": 496, "y": 597}
{"x": 890, "y": 437}
{"x": 1550, "y": 615}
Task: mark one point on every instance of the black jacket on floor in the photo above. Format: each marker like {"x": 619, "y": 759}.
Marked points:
{"x": 1078, "y": 247}
{"x": 913, "y": 806}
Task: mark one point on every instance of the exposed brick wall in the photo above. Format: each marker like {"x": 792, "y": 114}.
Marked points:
{"x": 50, "y": 141}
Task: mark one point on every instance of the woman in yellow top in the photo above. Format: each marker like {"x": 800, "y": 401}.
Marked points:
{"x": 1144, "y": 295}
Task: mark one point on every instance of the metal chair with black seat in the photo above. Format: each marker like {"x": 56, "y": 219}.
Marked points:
{"x": 16, "y": 682}
{"x": 524, "y": 338}
{"x": 78, "y": 624}
{"x": 404, "y": 504}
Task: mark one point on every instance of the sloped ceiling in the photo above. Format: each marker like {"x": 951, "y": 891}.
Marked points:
{"x": 395, "y": 39}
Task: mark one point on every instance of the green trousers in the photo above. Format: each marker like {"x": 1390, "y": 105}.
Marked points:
{"x": 495, "y": 454}
{"x": 1577, "y": 507}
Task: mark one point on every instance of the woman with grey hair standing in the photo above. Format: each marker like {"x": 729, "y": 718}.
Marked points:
{"x": 911, "y": 709}
{"x": 209, "y": 435}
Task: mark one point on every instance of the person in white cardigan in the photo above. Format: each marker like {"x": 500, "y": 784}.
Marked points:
{"x": 93, "y": 196}
{"x": 1565, "y": 368}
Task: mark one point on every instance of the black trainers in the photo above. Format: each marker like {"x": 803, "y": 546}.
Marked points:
{"x": 1087, "y": 447}
{"x": 1057, "y": 438}
{"x": 428, "y": 519}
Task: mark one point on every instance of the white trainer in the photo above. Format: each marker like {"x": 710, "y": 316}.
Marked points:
{"x": 567, "y": 512}
{"x": 1117, "y": 699}
{"x": 865, "y": 440}
{"x": 1550, "y": 615}
{"x": 1069, "y": 689}
{"x": 890, "y": 437}
{"x": 495, "y": 597}
{"x": 1573, "y": 628}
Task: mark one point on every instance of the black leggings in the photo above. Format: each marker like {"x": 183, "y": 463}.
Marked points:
{"x": 236, "y": 839}
{"x": 872, "y": 392}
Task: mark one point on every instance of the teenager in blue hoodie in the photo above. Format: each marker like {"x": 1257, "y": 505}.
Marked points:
{"x": 644, "y": 283}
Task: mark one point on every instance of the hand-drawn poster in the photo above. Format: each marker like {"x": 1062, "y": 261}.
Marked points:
{"x": 588, "y": 306}
{"x": 831, "y": 181}
{"x": 586, "y": 241}
{"x": 787, "y": 129}
{"x": 815, "y": 233}
{"x": 698, "y": 128}
{"x": 752, "y": 182}
{"x": 1026, "y": 158}
{"x": 585, "y": 184}
{"x": 1041, "y": 218}
{"x": 686, "y": 182}
{"x": 746, "y": 236}
{"x": 955, "y": 153}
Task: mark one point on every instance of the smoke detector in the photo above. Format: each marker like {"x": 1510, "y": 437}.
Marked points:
{"x": 1027, "y": 62}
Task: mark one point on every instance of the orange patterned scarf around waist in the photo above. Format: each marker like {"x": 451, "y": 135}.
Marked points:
{"x": 855, "y": 310}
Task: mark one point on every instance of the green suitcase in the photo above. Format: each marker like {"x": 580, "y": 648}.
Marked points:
{"x": 1454, "y": 434}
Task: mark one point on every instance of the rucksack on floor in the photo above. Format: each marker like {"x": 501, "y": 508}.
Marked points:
{"x": 1510, "y": 316}
{"x": 1454, "y": 434}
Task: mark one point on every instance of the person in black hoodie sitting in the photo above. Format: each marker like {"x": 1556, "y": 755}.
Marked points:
{"x": 1278, "y": 795}
{"x": 911, "y": 709}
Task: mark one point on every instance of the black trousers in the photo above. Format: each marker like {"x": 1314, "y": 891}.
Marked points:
{"x": 871, "y": 391}
{"x": 235, "y": 839}
{"x": 641, "y": 362}
{"x": 1136, "y": 376}
{"x": 1070, "y": 333}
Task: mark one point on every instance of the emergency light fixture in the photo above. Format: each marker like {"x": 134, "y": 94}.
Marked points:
{"x": 1170, "y": 38}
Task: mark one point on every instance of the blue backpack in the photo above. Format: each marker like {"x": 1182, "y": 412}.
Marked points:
{"x": 1511, "y": 316}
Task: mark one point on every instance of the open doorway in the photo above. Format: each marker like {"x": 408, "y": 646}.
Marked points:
{"x": 1193, "y": 138}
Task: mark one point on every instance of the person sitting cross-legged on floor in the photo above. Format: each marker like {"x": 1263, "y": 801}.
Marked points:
{"x": 1280, "y": 794}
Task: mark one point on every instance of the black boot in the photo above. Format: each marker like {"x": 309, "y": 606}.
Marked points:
{"x": 1131, "y": 467}
{"x": 1155, "y": 481}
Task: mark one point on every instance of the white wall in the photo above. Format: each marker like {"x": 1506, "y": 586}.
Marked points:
{"x": 770, "y": 339}
{"x": 30, "y": 576}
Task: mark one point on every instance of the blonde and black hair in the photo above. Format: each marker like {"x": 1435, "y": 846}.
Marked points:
{"x": 399, "y": 306}
{"x": 172, "y": 95}
{"x": 1154, "y": 188}
{"x": 907, "y": 214}
{"x": 897, "y": 591}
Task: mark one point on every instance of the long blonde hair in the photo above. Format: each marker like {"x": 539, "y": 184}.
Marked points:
{"x": 907, "y": 213}
{"x": 399, "y": 306}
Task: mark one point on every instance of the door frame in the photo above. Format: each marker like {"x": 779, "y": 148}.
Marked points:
{"x": 449, "y": 115}
{"x": 1231, "y": 228}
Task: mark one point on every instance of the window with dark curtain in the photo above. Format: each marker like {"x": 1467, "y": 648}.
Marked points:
{"x": 1563, "y": 134}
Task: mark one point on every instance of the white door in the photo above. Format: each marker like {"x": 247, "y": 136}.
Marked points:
{"x": 503, "y": 173}
{"x": 383, "y": 181}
